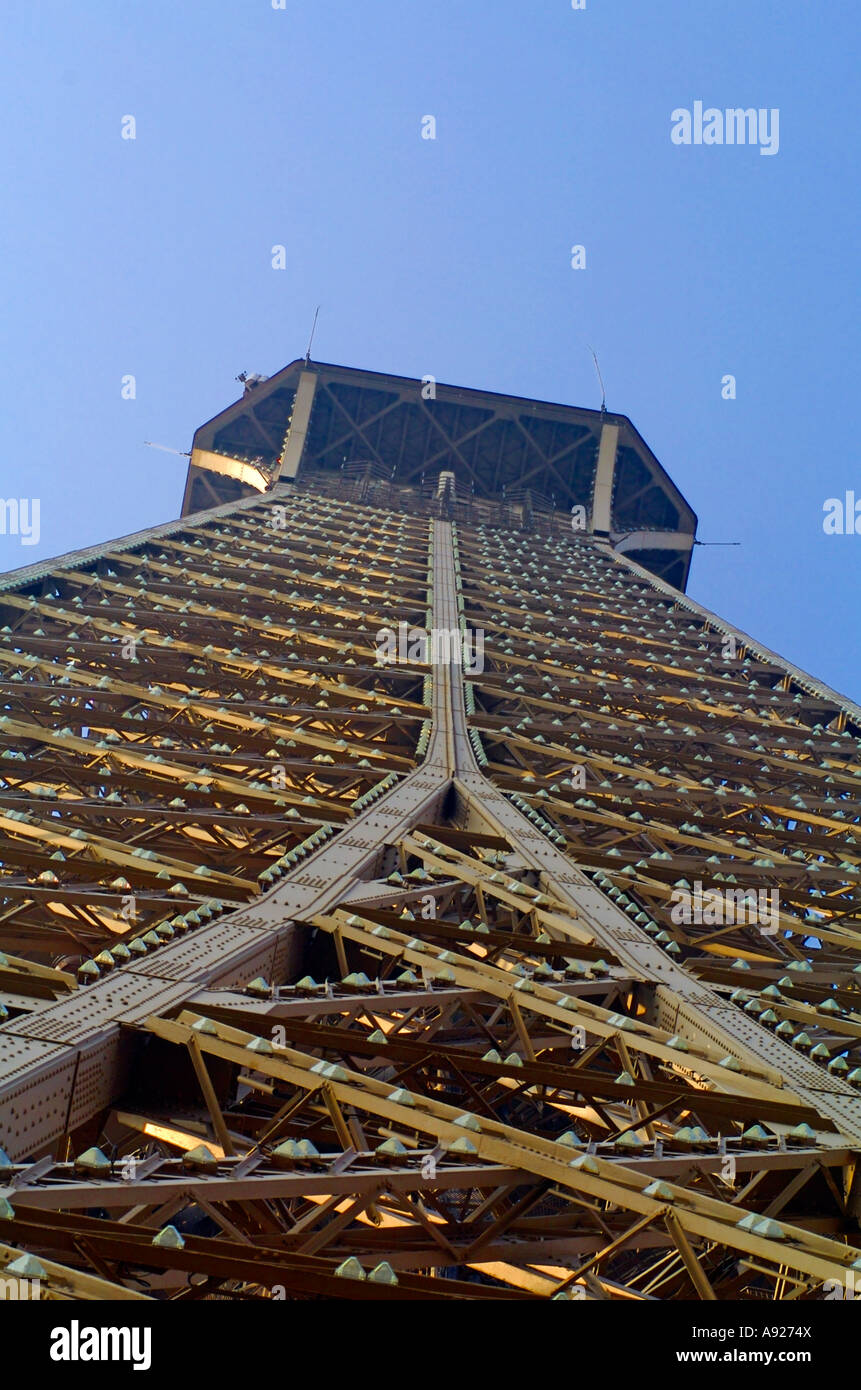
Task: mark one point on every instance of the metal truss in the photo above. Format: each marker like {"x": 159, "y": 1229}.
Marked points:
{"x": 333, "y": 977}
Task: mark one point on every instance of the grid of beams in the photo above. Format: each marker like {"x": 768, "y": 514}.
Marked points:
{"x": 684, "y": 771}
{"x": 485, "y": 1059}
{"x": 181, "y": 716}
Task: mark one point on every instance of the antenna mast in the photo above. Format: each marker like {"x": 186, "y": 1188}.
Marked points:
{"x": 600, "y": 381}
{"x": 311, "y": 339}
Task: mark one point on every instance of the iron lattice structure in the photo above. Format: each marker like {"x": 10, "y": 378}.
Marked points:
{"x": 326, "y": 975}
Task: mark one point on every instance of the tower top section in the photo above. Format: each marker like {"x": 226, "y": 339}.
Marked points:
{"x": 315, "y": 424}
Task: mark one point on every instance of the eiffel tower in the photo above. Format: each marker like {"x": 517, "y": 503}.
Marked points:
{"x": 408, "y": 892}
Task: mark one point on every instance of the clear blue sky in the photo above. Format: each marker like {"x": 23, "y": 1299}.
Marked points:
{"x": 450, "y": 257}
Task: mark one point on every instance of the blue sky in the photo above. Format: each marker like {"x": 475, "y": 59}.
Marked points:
{"x": 448, "y": 257}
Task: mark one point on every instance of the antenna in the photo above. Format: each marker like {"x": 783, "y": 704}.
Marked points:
{"x": 183, "y": 453}
{"x": 311, "y": 339}
{"x": 600, "y": 381}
